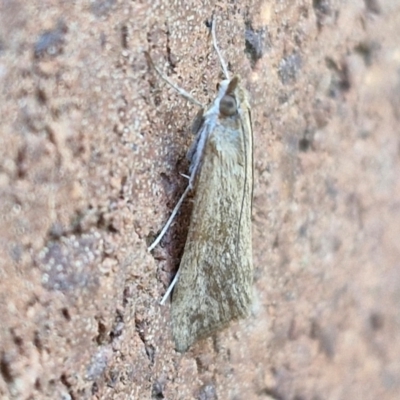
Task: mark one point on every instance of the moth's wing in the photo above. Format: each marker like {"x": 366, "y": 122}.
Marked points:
{"x": 215, "y": 274}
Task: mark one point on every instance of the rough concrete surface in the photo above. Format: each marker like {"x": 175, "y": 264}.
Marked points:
{"x": 92, "y": 144}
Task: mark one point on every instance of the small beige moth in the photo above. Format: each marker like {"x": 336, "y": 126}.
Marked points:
{"x": 214, "y": 282}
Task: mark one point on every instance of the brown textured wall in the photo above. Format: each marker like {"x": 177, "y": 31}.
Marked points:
{"x": 91, "y": 147}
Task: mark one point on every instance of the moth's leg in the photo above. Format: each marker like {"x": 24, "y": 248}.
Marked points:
{"x": 190, "y": 98}
{"x": 221, "y": 59}
{"x": 195, "y": 162}
{"x": 165, "y": 78}
{"x": 194, "y": 158}
{"x": 196, "y": 152}
{"x": 170, "y": 219}
{"x": 197, "y": 122}
{"x": 169, "y": 290}
{"x": 192, "y": 149}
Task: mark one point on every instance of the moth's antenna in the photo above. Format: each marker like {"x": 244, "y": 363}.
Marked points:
{"x": 165, "y": 78}
{"x": 221, "y": 60}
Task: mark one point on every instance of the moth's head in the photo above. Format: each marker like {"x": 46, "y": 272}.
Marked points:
{"x": 228, "y": 103}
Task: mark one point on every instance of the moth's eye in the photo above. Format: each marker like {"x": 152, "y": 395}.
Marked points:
{"x": 227, "y": 105}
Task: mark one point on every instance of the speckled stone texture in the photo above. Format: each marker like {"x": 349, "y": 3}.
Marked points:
{"x": 92, "y": 145}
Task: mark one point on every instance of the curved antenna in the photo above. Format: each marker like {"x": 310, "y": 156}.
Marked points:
{"x": 165, "y": 78}
{"x": 221, "y": 60}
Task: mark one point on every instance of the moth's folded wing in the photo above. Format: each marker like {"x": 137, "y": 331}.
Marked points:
{"x": 215, "y": 275}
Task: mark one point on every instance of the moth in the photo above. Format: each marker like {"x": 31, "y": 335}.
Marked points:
{"x": 214, "y": 282}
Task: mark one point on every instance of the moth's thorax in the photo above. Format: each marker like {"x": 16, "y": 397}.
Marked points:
{"x": 222, "y": 126}
{"x": 213, "y": 114}
{"x": 226, "y": 142}
{"x": 213, "y": 110}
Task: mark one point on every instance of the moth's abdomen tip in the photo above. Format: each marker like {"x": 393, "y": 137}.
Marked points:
{"x": 181, "y": 346}
{"x": 181, "y": 349}
{"x": 183, "y": 338}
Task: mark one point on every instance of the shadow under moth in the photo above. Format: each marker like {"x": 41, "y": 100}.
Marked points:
{"x": 214, "y": 282}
